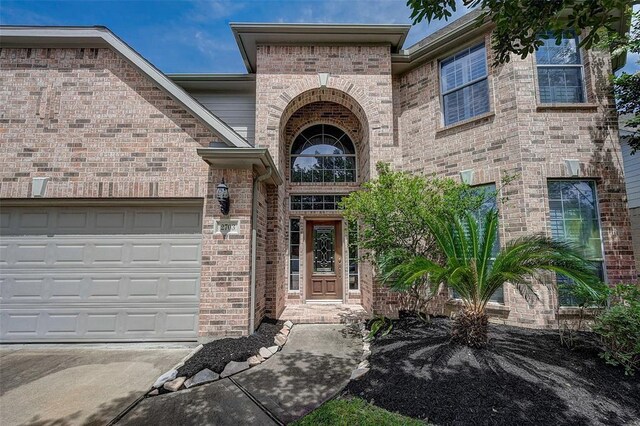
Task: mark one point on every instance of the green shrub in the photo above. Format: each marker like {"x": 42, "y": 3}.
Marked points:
{"x": 619, "y": 329}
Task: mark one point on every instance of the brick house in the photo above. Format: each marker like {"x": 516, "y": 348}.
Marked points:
{"x": 111, "y": 227}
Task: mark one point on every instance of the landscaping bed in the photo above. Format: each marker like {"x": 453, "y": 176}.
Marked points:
{"x": 217, "y": 354}
{"x": 523, "y": 377}
{"x": 224, "y": 358}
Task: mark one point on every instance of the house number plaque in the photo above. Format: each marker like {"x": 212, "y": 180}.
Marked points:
{"x": 226, "y": 226}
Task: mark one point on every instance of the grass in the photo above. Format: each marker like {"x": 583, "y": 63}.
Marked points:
{"x": 354, "y": 411}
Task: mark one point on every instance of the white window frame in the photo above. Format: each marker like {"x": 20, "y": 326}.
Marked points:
{"x": 580, "y": 65}
{"x": 443, "y": 93}
{"x": 289, "y": 272}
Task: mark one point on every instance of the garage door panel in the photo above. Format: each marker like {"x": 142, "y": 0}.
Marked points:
{"x": 84, "y": 324}
{"x": 100, "y": 273}
{"x": 111, "y": 287}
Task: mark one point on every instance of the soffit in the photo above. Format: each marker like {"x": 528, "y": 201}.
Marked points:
{"x": 250, "y": 35}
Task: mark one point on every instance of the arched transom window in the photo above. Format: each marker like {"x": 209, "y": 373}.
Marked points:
{"x": 324, "y": 154}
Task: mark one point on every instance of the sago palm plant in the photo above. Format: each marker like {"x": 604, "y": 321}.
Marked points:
{"x": 470, "y": 266}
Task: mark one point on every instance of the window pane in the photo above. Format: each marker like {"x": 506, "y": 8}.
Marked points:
{"x": 353, "y": 256}
{"x": 560, "y": 84}
{"x": 294, "y": 254}
{"x": 465, "y": 103}
{"x": 315, "y": 202}
{"x": 574, "y": 218}
{"x": 465, "y": 66}
{"x": 558, "y": 54}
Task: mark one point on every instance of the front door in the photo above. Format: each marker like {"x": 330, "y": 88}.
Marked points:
{"x": 324, "y": 260}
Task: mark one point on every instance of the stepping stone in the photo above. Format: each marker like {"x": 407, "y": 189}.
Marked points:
{"x": 357, "y": 373}
{"x": 280, "y": 339}
{"x": 202, "y": 376}
{"x": 255, "y": 360}
{"x": 265, "y": 353}
{"x": 169, "y": 375}
{"x": 288, "y": 324}
{"x": 285, "y": 331}
{"x": 175, "y": 384}
{"x": 234, "y": 367}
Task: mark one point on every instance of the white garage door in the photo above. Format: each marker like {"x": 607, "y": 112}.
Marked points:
{"x": 99, "y": 273}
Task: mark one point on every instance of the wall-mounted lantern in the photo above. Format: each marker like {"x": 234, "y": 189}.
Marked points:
{"x": 466, "y": 176}
{"x": 39, "y": 186}
{"x": 222, "y": 194}
{"x": 324, "y": 78}
{"x": 573, "y": 167}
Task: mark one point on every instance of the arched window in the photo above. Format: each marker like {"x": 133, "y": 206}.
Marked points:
{"x": 323, "y": 153}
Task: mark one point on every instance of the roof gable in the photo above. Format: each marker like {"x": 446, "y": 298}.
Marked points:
{"x": 103, "y": 37}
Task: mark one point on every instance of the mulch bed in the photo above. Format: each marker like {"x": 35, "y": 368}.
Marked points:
{"x": 523, "y": 377}
{"x": 216, "y": 354}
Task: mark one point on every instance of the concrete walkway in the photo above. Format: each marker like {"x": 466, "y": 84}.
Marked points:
{"x": 83, "y": 384}
{"x": 314, "y": 365}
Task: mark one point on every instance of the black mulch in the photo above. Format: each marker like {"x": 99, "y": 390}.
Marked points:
{"x": 216, "y": 354}
{"x": 523, "y": 377}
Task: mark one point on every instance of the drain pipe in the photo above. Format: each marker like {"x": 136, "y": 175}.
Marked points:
{"x": 254, "y": 245}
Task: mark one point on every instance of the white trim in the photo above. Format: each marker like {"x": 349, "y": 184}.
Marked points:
{"x": 92, "y": 36}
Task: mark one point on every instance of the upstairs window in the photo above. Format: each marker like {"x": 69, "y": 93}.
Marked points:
{"x": 323, "y": 154}
{"x": 464, "y": 85}
{"x": 560, "y": 73}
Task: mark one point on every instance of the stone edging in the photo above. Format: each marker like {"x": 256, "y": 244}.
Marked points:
{"x": 170, "y": 382}
{"x": 363, "y": 367}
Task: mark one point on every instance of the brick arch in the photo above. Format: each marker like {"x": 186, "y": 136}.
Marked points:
{"x": 328, "y": 106}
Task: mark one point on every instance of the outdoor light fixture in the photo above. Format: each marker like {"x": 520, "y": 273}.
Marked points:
{"x": 324, "y": 78}
{"x": 39, "y": 186}
{"x": 467, "y": 177}
{"x": 222, "y": 194}
{"x": 573, "y": 167}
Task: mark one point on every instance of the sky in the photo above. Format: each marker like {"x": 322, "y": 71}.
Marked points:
{"x": 193, "y": 36}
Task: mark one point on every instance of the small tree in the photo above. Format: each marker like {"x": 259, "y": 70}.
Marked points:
{"x": 393, "y": 212}
{"x": 468, "y": 268}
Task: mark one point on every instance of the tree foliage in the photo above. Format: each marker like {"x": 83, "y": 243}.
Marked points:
{"x": 627, "y": 86}
{"x": 519, "y": 22}
{"x": 393, "y": 210}
{"x": 619, "y": 329}
{"x": 468, "y": 266}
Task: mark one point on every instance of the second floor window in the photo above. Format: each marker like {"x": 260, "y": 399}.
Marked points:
{"x": 560, "y": 70}
{"x": 323, "y": 154}
{"x": 464, "y": 84}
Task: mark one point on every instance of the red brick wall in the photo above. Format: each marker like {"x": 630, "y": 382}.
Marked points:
{"x": 517, "y": 137}
{"x": 96, "y": 126}
{"x": 225, "y": 278}
{"x": 100, "y": 129}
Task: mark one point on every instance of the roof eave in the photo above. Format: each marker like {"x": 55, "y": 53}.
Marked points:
{"x": 229, "y": 158}
{"x": 248, "y": 36}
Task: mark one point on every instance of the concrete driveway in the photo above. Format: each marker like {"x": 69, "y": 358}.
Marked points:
{"x": 85, "y": 384}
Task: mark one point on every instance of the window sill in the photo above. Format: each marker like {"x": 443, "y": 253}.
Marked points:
{"x": 491, "y": 306}
{"x": 471, "y": 122}
{"x": 575, "y": 311}
{"x": 567, "y": 107}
